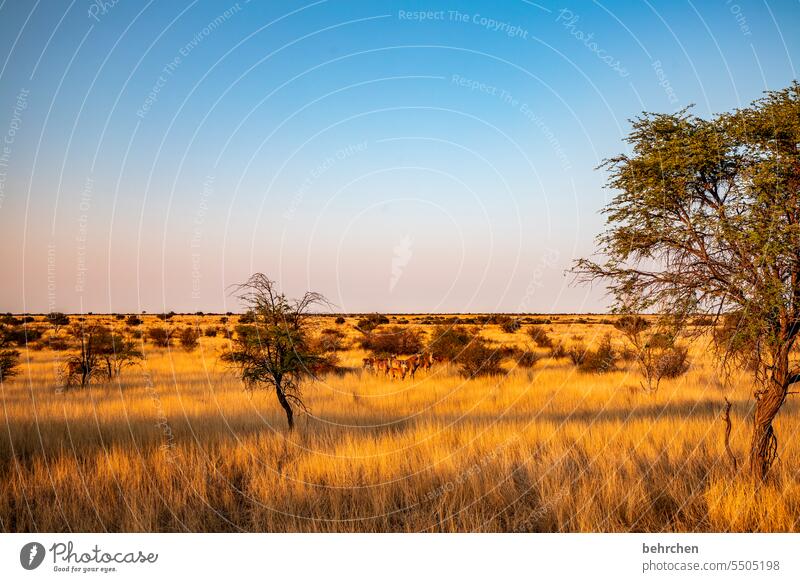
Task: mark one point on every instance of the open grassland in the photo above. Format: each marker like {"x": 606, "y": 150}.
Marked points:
{"x": 178, "y": 445}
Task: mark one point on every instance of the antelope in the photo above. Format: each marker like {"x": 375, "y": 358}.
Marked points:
{"x": 381, "y": 365}
{"x": 413, "y": 363}
{"x": 427, "y": 361}
{"x": 397, "y": 367}
{"x": 369, "y": 364}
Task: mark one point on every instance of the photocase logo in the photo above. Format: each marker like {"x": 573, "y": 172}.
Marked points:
{"x": 32, "y": 555}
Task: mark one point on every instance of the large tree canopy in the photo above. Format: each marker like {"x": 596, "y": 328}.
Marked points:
{"x": 707, "y": 220}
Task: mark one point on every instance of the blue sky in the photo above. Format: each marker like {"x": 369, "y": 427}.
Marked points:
{"x": 395, "y": 156}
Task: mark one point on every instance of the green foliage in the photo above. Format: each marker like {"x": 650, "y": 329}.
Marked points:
{"x": 706, "y": 222}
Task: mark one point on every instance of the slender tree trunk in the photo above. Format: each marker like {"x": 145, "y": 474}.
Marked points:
{"x": 287, "y": 408}
{"x": 763, "y": 447}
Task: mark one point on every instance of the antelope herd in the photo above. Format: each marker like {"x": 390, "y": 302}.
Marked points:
{"x": 397, "y": 368}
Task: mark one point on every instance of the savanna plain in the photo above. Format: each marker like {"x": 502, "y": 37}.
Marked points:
{"x": 176, "y": 442}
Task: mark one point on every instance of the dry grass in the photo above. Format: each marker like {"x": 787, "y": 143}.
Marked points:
{"x": 178, "y": 445}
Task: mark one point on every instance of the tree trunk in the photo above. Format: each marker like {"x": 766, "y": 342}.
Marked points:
{"x": 287, "y": 408}
{"x": 763, "y": 447}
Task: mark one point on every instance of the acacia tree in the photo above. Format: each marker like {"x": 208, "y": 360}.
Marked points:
{"x": 707, "y": 221}
{"x": 276, "y": 350}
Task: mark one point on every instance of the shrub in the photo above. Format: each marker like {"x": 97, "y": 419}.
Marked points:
{"x": 166, "y": 316}
{"x": 57, "y": 319}
{"x": 507, "y": 323}
{"x": 247, "y": 318}
{"x": 631, "y": 325}
{"x": 9, "y": 359}
{"x": 330, "y": 340}
{"x": 133, "y": 321}
{"x": 370, "y": 322}
{"x": 9, "y": 319}
{"x": 447, "y": 342}
{"x": 528, "y": 359}
{"x": 160, "y": 336}
{"x": 339, "y": 320}
{"x": 540, "y": 337}
{"x": 660, "y": 341}
{"x": 558, "y": 351}
{"x": 393, "y": 340}
{"x": 480, "y": 359}
{"x": 22, "y": 336}
{"x": 599, "y": 360}
{"x": 119, "y": 316}
{"x": 188, "y": 338}
{"x": 673, "y": 362}
{"x": 211, "y": 331}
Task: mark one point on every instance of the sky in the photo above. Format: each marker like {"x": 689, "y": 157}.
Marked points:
{"x": 394, "y": 156}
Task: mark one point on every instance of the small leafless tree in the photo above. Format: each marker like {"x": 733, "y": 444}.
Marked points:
{"x": 654, "y": 350}
{"x": 276, "y": 350}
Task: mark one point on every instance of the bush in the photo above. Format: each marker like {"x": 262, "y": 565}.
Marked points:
{"x": 211, "y": 331}
{"x": 447, "y": 342}
{"x": 57, "y": 319}
{"x": 133, "y": 321}
{"x": 480, "y": 359}
{"x": 673, "y": 362}
{"x": 660, "y": 341}
{"x": 247, "y": 318}
{"x": 160, "y": 336}
{"x": 393, "y": 340}
{"x": 372, "y": 321}
{"x": 188, "y": 338}
{"x": 540, "y": 337}
{"x": 558, "y": 351}
{"x": 528, "y": 359}
{"x": 22, "y": 336}
{"x": 166, "y": 316}
{"x": 508, "y": 324}
{"x": 599, "y": 361}
{"x": 331, "y": 340}
{"x": 631, "y": 325}
{"x": 9, "y": 359}
{"x": 339, "y": 320}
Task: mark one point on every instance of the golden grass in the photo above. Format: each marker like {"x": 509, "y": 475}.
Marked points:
{"x": 178, "y": 445}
